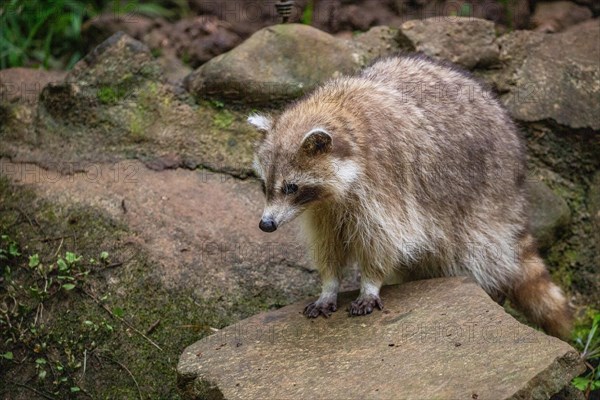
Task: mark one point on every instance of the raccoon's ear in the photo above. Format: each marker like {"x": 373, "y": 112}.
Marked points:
{"x": 317, "y": 141}
{"x": 261, "y": 122}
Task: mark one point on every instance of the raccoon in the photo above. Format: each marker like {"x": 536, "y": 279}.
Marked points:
{"x": 412, "y": 169}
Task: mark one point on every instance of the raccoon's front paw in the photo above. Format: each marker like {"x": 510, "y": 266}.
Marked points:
{"x": 365, "y": 305}
{"x": 313, "y": 310}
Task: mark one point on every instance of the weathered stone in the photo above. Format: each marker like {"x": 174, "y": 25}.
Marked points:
{"x": 198, "y": 39}
{"x": 19, "y": 92}
{"x": 118, "y": 56}
{"x": 200, "y": 227}
{"x": 556, "y": 16}
{"x": 25, "y": 84}
{"x": 468, "y": 42}
{"x": 512, "y": 14}
{"x": 175, "y": 69}
{"x": 440, "y": 338}
{"x": 594, "y": 210}
{"x": 276, "y": 63}
{"x": 115, "y": 104}
{"x": 549, "y": 213}
{"x": 379, "y": 41}
{"x": 101, "y": 27}
{"x": 552, "y": 77}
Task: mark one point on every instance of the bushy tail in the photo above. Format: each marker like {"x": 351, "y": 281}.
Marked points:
{"x": 537, "y": 296}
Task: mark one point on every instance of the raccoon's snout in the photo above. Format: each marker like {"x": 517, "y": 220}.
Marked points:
{"x": 267, "y": 225}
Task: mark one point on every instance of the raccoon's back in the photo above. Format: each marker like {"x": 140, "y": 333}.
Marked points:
{"x": 442, "y": 135}
{"x": 439, "y": 101}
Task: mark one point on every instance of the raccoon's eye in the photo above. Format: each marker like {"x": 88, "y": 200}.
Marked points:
{"x": 289, "y": 188}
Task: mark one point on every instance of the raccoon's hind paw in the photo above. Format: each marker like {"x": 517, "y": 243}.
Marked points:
{"x": 313, "y": 310}
{"x": 365, "y": 305}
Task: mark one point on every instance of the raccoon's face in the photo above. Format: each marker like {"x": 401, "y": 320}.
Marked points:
{"x": 297, "y": 172}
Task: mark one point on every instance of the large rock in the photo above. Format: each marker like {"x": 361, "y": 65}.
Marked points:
{"x": 379, "y": 41}
{"x": 594, "y": 210}
{"x": 25, "y": 84}
{"x": 441, "y": 338}
{"x": 469, "y": 42}
{"x": 549, "y": 213}
{"x": 116, "y": 103}
{"x": 552, "y": 77}
{"x": 96, "y": 30}
{"x": 276, "y": 63}
{"x": 19, "y": 92}
{"x": 118, "y": 69}
{"x": 556, "y": 16}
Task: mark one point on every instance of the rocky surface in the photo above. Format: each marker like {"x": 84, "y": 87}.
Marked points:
{"x": 549, "y": 213}
{"x": 25, "y": 84}
{"x": 447, "y": 329}
{"x": 379, "y": 41}
{"x": 202, "y": 226}
{"x": 116, "y": 103}
{"x": 552, "y": 77}
{"x": 20, "y": 89}
{"x": 469, "y": 42}
{"x": 594, "y": 210}
{"x": 277, "y": 63}
{"x": 556, "y": 16}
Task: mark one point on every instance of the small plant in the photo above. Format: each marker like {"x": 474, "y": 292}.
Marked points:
{"x": 307, "y": 15}
{"x": 8, "y": 248}
{"x": 47, "y": 33}
{"x": 27, "y": 290}
{"x": 587, "y": 340}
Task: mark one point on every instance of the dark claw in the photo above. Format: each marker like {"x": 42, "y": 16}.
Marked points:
{"x": 364, "y": 306}
{"x": 313, "y": 310}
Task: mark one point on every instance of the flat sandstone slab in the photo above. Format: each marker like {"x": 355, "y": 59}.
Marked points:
{"x": 439, "y": 338}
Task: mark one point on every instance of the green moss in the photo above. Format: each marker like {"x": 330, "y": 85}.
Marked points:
{"x": 108, "y": 95}
{"x": 223, "y": 119}
{"x": 75, "y": 331}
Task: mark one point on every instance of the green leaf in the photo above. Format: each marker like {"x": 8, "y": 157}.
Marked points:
{"x": 40, "y": 361}
{"x": 75, "y": 389}
{"x": 580, "y": 383}
{"x": 68, "y": 286}
{"x": 13, "y": 250}
{"x": 8, "y": 355}
{"x": 71, "y": 257}
{"x": 62, "y": 265}
{"x": 118, "y": 311}
{"x": 34, "y": 260}
{"x": 104, "y": 255}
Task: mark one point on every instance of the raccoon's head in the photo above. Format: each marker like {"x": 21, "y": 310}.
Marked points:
{"x": 300, "y": 165}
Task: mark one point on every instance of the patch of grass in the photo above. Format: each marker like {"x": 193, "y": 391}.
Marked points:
{"x": 47, "y": 33}
{"x": 47, "y": 258}
{"x": 587, "y": 341}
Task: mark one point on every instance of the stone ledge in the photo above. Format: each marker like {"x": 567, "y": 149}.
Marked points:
{"x": 439, "y": 338}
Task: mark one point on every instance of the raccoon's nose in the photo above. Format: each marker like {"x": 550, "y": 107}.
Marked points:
{"x": 267, "y": 225}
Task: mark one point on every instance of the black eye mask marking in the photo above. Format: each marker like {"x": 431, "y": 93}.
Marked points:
{"x": 308, "y": 194}
{"x": 289, "y": 188}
